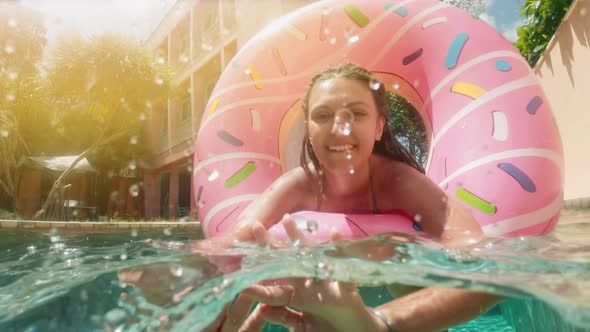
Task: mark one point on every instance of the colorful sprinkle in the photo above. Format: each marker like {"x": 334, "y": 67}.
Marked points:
{"x": 255, "y": 119}
{"x": 296, "y": 32}
{"x": 240, "y": 175}
{"x": 500, "y": 131}
{"x": 525, "y": 182}
{"x": 433, "y": 21}
{"x": 534, "y": 105}
{"x": 503, "y": 65}
{"x": 476, "y": 202}
{"x": 468, "y": 89}
{"x": 276, "y": 55}
{"x": 199, "y": 193}
{"x": 213, "y": 106}
{"x": 412, "y": 57}
{"x": 455, "y": 50}
{"x": 229, "y": 138}
{"x": 255, "y": 77}
{"x": 416, "y": 227}
{"x": 388, "y": 5}
{"x": 401, "y": 11}
{"x": 356, "y": 15}
{"x": 324, "y": 24}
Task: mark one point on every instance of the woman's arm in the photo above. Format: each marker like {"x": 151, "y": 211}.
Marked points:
{"x": 285, "y": 195}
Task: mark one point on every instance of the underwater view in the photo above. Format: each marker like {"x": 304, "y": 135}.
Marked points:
{"x": 294, "y": 165}
{"x": 68, "y": 282}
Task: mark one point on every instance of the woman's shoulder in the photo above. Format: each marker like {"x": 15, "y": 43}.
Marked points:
{"x": 386, "y": 169}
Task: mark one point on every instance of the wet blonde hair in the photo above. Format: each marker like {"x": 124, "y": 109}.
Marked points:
{"x": 387, "y": 146}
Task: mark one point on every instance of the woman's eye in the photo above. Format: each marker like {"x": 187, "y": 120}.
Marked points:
{"x": 321, "y": 116}
{"x": 358, "y": 114}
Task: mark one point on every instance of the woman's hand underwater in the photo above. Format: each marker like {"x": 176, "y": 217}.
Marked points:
{"x": 302, "y": 304}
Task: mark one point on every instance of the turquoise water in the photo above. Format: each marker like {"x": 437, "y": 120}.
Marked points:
{"x": 58, "y": 282}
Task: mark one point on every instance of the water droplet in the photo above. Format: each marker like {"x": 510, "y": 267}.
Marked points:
{"x": 206, "y": 47}
{"x": 132, "y": 165}
{"x": 4, "y": 133}
{"x": 351, "y": 170}
{"x": 326, "y": 31}
{"x": 75, "y": 213}
{"x": 133, "y": 140}
{"x": 348, "y": 154}
{"x": 141, "y": 116}
{"x": 12, "y": 23}
{"x": 10, "y": 97}
{"x": 247, "y": 71}
{"x": 374, "y": 84}
{"x": 189, "y": 168}
{"x": 418, "y": 217}
{"x": 353, "y": 39}
{"x": 312, "y": 226}
{"x": 134, "y": 190}
{"x": 123, "y": 256}
{"x": 12, "y": 75}
{"x": 176, "y": 270}
{"x": 184, "y": 58}
{"x": 307, "y": 283}
{"x": 31, "y": 249}
{"x": 395, "y": 86}
{"x": 159, "y": 80}
{"x": 327, "y": 11}
{"x": 332, "y": 41}
{"x": 167, "y": 231}
{"x": 161, "y": 60}
{"x": 9, "y": 47}
{"x": 214, "y": 175}
{"x": 343, "y": 122}
{"x": 583, "y": 12}
{"x": 54, "y": 238}
{"x": 133, "y": 232}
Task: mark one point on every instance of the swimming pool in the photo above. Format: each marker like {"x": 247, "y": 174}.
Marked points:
{"x": 60, "y": 282}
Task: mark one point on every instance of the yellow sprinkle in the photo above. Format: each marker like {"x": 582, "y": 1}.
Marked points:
{"x": 213, "y": 106}
{"x": 468, "y": 89}
{"x": 255, "y": 77}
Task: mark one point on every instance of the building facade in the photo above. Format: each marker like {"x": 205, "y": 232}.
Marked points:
{"x": 563, "y": 71}
{"x": 199, "y": 38}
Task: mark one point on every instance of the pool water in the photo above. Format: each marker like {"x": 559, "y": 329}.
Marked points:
{"x": 59, "y": 282}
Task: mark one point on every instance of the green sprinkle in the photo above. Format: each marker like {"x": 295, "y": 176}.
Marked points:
{"x": 475, "y": 201}
{"x": 240, "y": 175}
{"x": 356, "y": 15}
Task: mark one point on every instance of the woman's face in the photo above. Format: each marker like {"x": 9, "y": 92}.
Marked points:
{"x": 336, "y": 99}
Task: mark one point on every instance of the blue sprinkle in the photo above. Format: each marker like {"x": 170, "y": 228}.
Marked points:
{"x": 503, "y": 65}
{"x": 416, "y": 227}
{"x": 534, "y": 105}
{"x": 388, "y": 5}
{"x": 525, "y": 182}
{"x": 229, "y": 138}
{"x": 455, "y": 50}
{"x": 403, "y": 12}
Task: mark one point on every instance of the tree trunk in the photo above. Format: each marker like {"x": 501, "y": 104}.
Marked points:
{"x": 46, "y": 210}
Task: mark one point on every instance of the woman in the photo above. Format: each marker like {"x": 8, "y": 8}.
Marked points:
{"x": 355, "y": 166}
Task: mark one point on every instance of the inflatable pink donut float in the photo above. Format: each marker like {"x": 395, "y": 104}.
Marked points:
{"x": 493, "y": 141}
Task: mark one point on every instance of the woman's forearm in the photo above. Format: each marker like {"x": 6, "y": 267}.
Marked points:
{"x": 436, "y": 309}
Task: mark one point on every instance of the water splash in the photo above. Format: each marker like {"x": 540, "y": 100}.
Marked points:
{"x": 192, "y": 289}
